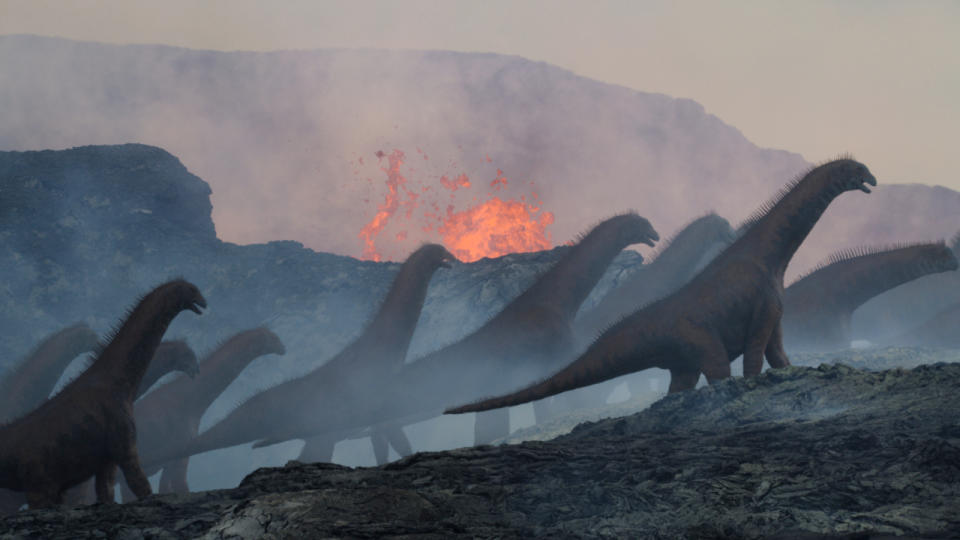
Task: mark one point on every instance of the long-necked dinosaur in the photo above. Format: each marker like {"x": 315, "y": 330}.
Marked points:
{"x": 30, "y": 383}
{"x": 88, "y": 428}
{"x": 818, "y": 307}
{"x": 522, "y": 342}
{"x": 674, "y": 262}
{"x": 170, "y": 415}
{"x": 730, "y": 308}
{"x": 171, "y": 355}
{"x": 367, "y": 363}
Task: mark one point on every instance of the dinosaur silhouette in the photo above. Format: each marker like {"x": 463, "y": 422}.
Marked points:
{"x": 818, "y": 307}
{"x": 30, "y": 383}
{"x": 170, "y": 415}
{"x": 87, "y": 428}
{"x": 368, "y": 362}
{"x": 531, "y": 333}
{"x": 675, "y": 261}
{"x": 170, "y": 356}
{"x": 730, "y": 308}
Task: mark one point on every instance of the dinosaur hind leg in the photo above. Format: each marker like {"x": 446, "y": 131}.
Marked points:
{"x": 681, "y": 380}
{"x": 398, "y": 440}
{"x": 106, "y": 477}
{"x": 776, "y": 356}
{"x": 381, "y": 447}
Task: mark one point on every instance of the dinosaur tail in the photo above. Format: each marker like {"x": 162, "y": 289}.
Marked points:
{"x": 599, "y": 363}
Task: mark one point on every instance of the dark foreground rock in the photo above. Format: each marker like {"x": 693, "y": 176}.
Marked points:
{"x": 826, "y": 452}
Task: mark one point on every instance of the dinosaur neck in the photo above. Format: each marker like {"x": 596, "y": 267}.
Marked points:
{"x": 129, "y": 353}
{"x": 777, "y": 235}
{"x": 849, "y": 283}
{"x": 36, "y": 376}
{"x": 394, "y": 323}
{"x": 219, "y": 369}
{"x": 568, "y": 283}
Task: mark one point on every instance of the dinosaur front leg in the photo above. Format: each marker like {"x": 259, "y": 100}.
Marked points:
{"x": 681, "y": 380}
{"x": 174, "y": 477}
{"x": 381, "y": 447}
{"x": 760, "y": 334}
{"x": 106, "y": 477}
{"x": 398, "y": 439}
{"x": 318, "y": 449}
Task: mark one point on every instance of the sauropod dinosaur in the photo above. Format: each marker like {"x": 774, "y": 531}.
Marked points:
{"x": 170, "y": 415}
{"x": 171, "y": 355}
{"x": 30, "y": 383}
{"x": 818, "y": 307}
{"x": 730, "y": 308}
{"x": 673, "y": 263}
{"x": 88, "y": 428}
{"x": 526, "y": 339}
{"x": 345, "y": 380}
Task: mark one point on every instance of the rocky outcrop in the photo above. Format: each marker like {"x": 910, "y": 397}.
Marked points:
{"x": 828, "y": 452}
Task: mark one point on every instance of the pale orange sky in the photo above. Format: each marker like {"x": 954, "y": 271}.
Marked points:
{"x": 877, "y": 79}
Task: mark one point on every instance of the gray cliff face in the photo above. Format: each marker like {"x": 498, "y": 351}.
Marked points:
{"x": 801, "y": 452}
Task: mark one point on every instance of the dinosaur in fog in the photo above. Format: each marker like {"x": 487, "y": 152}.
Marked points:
{"x": 818, "y": 307}
{"x": 170, "y": 415}
{"x": 342, "y": 383}
{"x": 29, "y": 384}
{"x": 88, "y": 427}
{"x": 730, "y": 308}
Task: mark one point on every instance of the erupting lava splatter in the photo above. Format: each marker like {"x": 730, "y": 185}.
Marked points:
{"x": 490, "y": 228}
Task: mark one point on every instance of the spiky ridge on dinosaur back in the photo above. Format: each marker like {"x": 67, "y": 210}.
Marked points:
{"x": 26, "y": 386}
{"x": 170, "y": 416}
{"x": 818, "y": 307}
{"x": 732, "y": 307}
{"x": 88, "y": 429}
{"x": 336, "y": 387}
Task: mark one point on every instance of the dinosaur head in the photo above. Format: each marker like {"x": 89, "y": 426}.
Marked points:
{"x": 185, "y": 295}
{"x": 266, "y": 342}
{"x": 848, "y": 175}
{"x": 433, "y": 256}
{"x": 176, "y": 355}
{"x": 635, "y": 229}
{"x": 940, "y": 259}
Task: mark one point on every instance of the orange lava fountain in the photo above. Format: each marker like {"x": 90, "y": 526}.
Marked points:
{"x": 492, "y": 228}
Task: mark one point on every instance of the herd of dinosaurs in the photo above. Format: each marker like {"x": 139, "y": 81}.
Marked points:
{"x": 711, "y": 294}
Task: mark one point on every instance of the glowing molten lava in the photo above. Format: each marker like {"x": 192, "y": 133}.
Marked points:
{"x": 491, "y": 228}
{"x": 495, "y": 228}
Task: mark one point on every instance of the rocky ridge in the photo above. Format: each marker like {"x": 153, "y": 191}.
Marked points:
{"x": 827, "y": 452}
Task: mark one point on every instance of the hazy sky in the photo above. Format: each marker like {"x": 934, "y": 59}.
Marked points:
{"x": 877, "y": 79}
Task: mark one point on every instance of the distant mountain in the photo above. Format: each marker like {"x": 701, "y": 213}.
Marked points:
{"x": 280, "y": 135}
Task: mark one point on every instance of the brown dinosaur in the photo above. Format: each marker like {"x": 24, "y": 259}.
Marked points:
{"x": 674, "y": 262}
{"x": 88, "y": 428}
{"x": 730, "y": 308}
{"x": 531, "y": 334}
{"x": 818, "y": 307}
{"x": 30, "y": 383}
{"x": 368, "y": 362}
{"x": 170, "y": 356}
{"x": 170, "y": 415}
